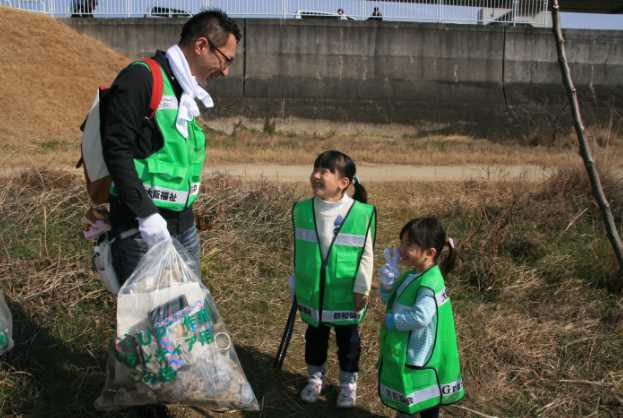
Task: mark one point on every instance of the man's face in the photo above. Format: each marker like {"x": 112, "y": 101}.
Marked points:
{"x": 213, "y": 61}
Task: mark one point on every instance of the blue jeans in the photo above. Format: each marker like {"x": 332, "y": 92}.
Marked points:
{"x": 126, "y": 253}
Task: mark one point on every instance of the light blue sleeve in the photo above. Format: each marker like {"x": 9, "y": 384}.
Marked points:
{"x": 420, "y": 315}
{"x": 385, "y": 295}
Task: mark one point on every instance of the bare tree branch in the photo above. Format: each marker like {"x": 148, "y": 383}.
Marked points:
{"x": 585, "y": 152}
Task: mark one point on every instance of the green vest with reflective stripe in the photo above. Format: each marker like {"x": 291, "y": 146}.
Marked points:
{"x": 172, "y": 175}
{"x": 413, "y": 389}
{"x": 324, "y": 288}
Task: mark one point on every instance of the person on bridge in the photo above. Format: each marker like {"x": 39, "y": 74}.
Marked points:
{"x": 156, "y": 162}
{"x": 333, "y": 242}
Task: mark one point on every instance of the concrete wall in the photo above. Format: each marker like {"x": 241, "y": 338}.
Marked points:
{"x": 474, "y": 79}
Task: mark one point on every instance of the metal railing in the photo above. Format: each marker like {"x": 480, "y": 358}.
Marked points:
{"x": 527, "y": 12}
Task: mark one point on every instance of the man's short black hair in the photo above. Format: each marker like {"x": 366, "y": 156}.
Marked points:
{"x": 213, "y": 24}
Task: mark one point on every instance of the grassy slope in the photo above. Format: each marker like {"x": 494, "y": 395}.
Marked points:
{"x": 536, "y": 308}
{"x": 49, "y": 75}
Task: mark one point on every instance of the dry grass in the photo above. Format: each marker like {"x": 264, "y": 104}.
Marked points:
{"x": 241, "y": 143}
{"x": 49, "y": 75}
{"x": 538, "y": 310}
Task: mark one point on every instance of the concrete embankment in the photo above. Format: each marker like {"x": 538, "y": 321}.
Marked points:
{"x": 481, "y": 80}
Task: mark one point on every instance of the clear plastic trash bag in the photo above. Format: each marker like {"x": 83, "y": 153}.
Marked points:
{"x": 6, "y": 326}
{"x": 172, "y": 346}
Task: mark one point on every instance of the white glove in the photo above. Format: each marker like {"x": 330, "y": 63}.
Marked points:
{"x": 153, "y": 229}
{"x": 292, "y": 284}
{"x": 390, "y": 271}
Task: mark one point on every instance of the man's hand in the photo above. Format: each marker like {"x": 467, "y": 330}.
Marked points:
{"x": 153, "y": 229}
{"x": 360, "y": 301}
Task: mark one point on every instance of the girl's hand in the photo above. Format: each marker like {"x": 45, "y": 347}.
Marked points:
{"x": 360, "y": 301}
{"x": 390, "y": 271}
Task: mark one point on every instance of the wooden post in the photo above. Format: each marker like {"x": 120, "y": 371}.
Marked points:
{"x": 585, "y": 152}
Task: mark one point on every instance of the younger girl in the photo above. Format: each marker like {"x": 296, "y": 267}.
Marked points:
{"x": 333, "y": 260}
{"x": 419, "y": 366}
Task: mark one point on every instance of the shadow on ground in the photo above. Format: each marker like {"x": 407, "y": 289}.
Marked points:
{"x": 277, "y": 392}
{"x": 49, "y": 379}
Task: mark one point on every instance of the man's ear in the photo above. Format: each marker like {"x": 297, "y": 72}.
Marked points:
{"x": 200, "y": 44}
{"x": 431, "y": 252}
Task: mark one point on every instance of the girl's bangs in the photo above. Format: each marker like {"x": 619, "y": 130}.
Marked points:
{"x": 327, "y": 160}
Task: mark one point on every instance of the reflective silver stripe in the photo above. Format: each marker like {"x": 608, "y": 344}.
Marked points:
{"x": 442, "y": 297}
{"x": 306, "y": 310}
{"x": 305, "y": 235}
{"x": 194, "y": 189}
{"x": 328, "y": 316}
{"x": 350, "y": 240}
{"x": 451, "y": 388}
{"x": 163, "y": 194}
{"x": 413, "y": 398}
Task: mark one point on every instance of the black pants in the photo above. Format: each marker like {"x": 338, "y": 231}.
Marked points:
{"x": 348, "y": 346}
{"x": 427, "y": 413}
{"x": 430, "y": 413}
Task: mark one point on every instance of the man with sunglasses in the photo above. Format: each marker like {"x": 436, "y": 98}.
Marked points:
{"x": 155, "y": 161}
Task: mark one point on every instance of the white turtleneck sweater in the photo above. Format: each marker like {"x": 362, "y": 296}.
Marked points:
{"x": 326, "y": 213}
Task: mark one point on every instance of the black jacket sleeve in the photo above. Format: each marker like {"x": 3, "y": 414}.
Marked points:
{"x": 127, "y": 133}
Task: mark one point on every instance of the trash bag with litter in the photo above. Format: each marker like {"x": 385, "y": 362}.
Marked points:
{"x": 171, "y": 343}
{"x": 6, "y": 326}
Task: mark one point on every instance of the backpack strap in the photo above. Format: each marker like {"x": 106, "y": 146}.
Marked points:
{"x": 157, "y": 85}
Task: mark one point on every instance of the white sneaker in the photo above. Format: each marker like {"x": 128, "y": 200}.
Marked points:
{"x": 311, "y": 392}
{"x": 348, "y": 390}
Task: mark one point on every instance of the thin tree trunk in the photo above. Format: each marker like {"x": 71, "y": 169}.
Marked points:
{"x": 585, "y": 152}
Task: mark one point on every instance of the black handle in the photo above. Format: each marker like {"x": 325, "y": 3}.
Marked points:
{"x": 287, "y": 336}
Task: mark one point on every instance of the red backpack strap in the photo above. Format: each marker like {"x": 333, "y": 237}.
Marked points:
{"x": 156, "y": 83}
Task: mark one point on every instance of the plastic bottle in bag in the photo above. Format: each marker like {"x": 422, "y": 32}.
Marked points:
{"x": 172, "y": 345}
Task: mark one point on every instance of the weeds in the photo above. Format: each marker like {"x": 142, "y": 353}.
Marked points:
{"x": 538, "y": 318}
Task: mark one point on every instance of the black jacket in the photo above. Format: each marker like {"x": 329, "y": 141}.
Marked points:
{"x": 128, "y": 133}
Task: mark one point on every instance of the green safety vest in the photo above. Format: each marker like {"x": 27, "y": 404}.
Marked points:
{"x": 172, "y": 175}
{"x": 412, "y": 389}
{"x": 324, "y": 288}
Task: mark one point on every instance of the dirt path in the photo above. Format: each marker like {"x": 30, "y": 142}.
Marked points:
{"x": 367, "y": 172}
{"x": 389, "y": 172}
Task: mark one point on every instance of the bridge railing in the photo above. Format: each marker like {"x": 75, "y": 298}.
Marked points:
{"x": 526, "y": 12}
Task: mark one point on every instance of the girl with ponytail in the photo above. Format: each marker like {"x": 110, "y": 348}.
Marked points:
{"x": 333, "y": 267}
{"x": 419, "y": 367}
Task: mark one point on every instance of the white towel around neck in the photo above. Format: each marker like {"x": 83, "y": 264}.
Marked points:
{"x": 188, "y": 108}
